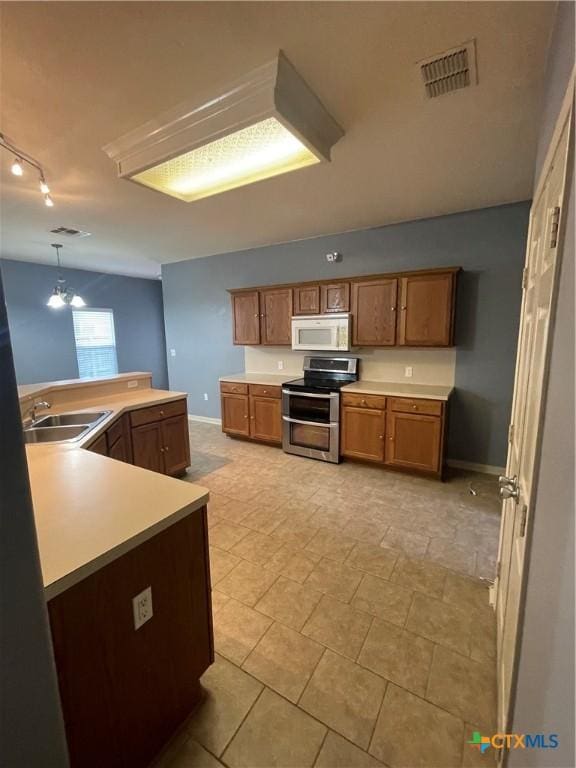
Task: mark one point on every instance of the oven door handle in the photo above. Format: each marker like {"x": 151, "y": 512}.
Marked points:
{"x": 309, "y": 394}
{"x": 329, "y": 424}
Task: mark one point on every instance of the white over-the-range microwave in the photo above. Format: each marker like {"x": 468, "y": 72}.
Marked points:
{"x": 330, "y": 333}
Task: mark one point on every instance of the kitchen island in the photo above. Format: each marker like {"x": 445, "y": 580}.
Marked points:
{"x": 124, "y": 557}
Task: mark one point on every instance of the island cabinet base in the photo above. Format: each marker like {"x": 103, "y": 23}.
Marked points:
{"x": 124, "y": 691}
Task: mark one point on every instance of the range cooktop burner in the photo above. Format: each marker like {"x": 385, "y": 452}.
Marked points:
{"x": 315, "y": 385}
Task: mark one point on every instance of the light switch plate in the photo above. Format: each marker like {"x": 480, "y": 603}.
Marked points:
{"x": 172, "y": 353}
{"x": 142, "y": 607}
{"x": 408, "y": 372}
{"x": 280, "y": 365}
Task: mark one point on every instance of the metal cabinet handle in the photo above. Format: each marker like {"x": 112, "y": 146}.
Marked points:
{"x": 393, "y": 309}
{"x": 404, "y": 308}
{"x": 414, "y": 407}
{"x": 166, "y": 448}
{"x": 161, "y": 413}
{"x": 380, "y": 437}
{"x": 256, "y": 314}
{"x": 161, "y": 450}
{"x": 390, "y": 438}
{"x": 363, "y": 402}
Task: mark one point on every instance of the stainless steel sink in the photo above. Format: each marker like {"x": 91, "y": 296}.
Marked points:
{"x": 54, "y": 434}
{"x": 63, "y": 427}
{"x": 69, "y": 419}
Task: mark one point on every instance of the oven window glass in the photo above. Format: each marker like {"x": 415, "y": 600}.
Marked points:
{"x": 307, "y": 436}
{"x": 309, "y": 408}
{"x": 315, "y": 337}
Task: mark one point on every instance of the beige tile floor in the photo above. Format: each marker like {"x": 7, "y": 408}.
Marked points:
{"x": 351, "y": 625}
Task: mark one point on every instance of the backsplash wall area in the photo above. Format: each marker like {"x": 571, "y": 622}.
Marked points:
{"x": 43, "y": 338}
{"x": 489, "y": 245}
{"x": 429, "y": 366}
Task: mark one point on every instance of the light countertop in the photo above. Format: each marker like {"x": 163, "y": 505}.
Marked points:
{"x": 423, "y": 391}
{"x": 260, "y": 378}
{"x": 91, "y": 509}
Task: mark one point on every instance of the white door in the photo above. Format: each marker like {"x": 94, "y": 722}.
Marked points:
{"x": 518, "y": 486}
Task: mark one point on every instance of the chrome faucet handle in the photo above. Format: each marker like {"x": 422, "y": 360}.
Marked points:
{"x": 36, "y": 406}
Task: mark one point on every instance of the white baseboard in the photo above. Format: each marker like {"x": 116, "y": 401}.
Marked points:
{"x": 204, "y": 419}
{"x": 489, "y": 469}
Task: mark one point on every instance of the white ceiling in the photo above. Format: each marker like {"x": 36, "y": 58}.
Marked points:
{"x": 77, "y": 75}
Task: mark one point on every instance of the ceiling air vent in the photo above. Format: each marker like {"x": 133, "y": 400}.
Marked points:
{"x": 69, "y": 232}
{"x": 449, "y": 71}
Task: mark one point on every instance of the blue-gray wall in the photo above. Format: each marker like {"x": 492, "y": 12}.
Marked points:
{"x": 490, "y": 246}
{"x": 43, "y": 338}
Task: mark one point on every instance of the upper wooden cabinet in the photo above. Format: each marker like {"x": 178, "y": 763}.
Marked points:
{"x": 276, "y": 316}
{"x": 374, "y": 313}
{"x": 411, "y": 309}
{"x": 426, "y": 309}
{"x": 335, "y": 297}
{"x": 307, "y": 300}
{"x": 246, "y": 317}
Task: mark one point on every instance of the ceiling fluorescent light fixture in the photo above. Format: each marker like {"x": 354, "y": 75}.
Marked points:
{"x": 267, "y": 123}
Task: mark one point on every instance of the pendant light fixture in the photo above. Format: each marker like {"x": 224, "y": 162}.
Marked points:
{"x": 266, "y": 123}
{"x": 63, "y": 295}
{"x": 17, "y": 167}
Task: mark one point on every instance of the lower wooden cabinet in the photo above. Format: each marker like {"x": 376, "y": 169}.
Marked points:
{"x": 413, "y": 441}
{"x": 401, "y": 433}
{"x": 154, "y": 438}
{"x": 147, "y": 447}
{"x": 124, "y": 692}
{"x": 256, "y": 414}
{"x": 363, "y": 432}
{"x": 161, "y": 445}
{"x": 266, "y": 419}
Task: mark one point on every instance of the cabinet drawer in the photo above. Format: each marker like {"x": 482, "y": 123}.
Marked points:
{"x": 409, "y": 405}
{"x": 114, "y": 433}
{"x": 262, "y": 390}
{"x": 232, "y": 388}
{"x": 363, "y": 401}
{"x": 157, "y": 413}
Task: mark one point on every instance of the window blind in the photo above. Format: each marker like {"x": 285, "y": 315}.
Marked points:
{"x": 95, "y": 342}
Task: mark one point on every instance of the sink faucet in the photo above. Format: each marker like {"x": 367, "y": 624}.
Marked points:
{"x": 35, "y": 407}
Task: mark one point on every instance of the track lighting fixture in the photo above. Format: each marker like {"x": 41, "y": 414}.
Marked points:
{"x": 20, "y": 159}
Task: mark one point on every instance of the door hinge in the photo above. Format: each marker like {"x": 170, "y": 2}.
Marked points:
{"x": 554, "y": 223}
{"x": 498, "y": 569}
{"x": 511, "y": 433}
{"x": 524, "y": 278}
{"x": 523, "y": 521}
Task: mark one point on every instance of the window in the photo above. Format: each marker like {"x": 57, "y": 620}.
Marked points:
{"x": 95, "y": 342}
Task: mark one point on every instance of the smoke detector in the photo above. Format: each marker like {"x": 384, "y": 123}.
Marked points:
{"x": 449, "y": 71}
{"x": 70, "y": 232}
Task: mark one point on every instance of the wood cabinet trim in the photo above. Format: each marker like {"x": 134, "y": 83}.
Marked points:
{"x": 352, "y": 279}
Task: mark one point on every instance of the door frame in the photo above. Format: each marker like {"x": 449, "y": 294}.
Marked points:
{"x": 566, "y": 114}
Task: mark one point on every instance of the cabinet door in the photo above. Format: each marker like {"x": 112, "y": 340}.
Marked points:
{"x": 335, "y": 297}
{"x": 176, "y": 444}
{"x": 118, "y": 450}
{"x": 147, "y": 447}
{"x": 363, "y": 433}
{"x": 235, "y": 414}
{"x": 307, "y": 300}
{"x": 99, "y": 446}
{"x": 374, "y": 313}
{"x": 426, "y": 310}
{"x": 276, "y": 316}
{"x": 246, "y": 317}
{"x": 413, "y": 441}
{"x": 266, "y": 418}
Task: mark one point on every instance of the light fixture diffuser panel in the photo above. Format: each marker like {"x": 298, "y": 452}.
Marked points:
{"x": 251, "y": 154}
{"x": 266, "y": 123}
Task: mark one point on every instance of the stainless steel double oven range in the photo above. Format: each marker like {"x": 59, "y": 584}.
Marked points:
{"x": 311, "y": 407}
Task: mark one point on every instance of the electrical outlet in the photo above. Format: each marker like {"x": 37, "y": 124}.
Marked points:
{"x": 132, "y": 384}
{"x": 408, "y": 371}
{"x": 280, "y": 365}
{"x": 142, "y": 607}
{"x": 172, "y": 353}
{"x": 205, "y": 395}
